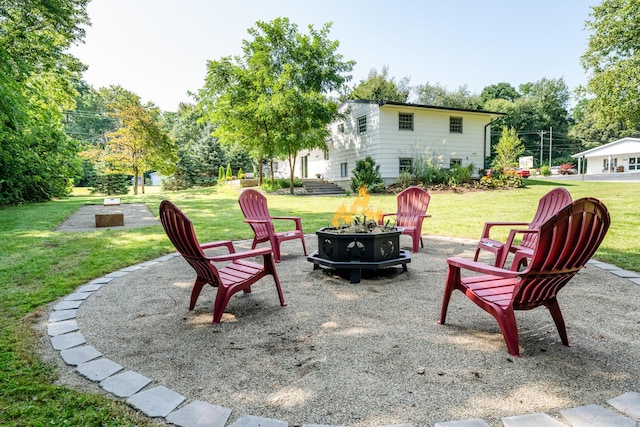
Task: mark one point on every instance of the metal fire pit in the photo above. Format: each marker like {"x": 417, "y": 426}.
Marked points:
{"x": 357, "y": 251}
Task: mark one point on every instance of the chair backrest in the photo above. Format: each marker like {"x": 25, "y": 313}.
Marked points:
{"x": 254, "y": 206}
{"x": 566, "y": 242}
{"x": 179, "y": 229}
{"x": 412, "y": 202}
{"x": 548, "y": 206}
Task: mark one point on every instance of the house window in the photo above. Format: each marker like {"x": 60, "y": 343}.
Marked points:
{"x": 405, "y": 121}
{"x": 455, "y": 162}
{"x": 634, "y": 162}
{"x": 341, "y": 128}
{"x": 406, "y": 165}
{"x": 326, "y": 154}
{"x": 343, "y": 169}
{"x": 362, "y": 124}
{"x": 455, "y": 124}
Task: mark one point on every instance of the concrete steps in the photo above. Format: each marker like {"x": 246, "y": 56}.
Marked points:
{"x": 318, "y": 187}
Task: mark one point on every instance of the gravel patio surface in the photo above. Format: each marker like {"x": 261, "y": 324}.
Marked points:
{"x": 366, "y": 354}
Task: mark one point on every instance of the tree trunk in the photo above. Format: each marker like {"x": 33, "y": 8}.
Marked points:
{"x": 292, "y": 167}
{"x": 273, "y": 177}
{"x": 135, "y": 180}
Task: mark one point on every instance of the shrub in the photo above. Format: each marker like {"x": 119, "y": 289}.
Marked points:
{"x": 111, "y": 184}
{"x": 229, "y": 173}
{"x": 367, "y": 174}
{"x": 545, "y": 170}
{"x": 428, "y": 170}
{"x": 509, "y": 179}
{"x": 404, "y": 180}
{"x": 460, "y": 174}
{"x": 279, "y": 183}
{"x": 222, "y": 177}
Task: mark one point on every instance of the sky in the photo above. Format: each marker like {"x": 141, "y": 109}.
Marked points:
{"x": 159, "y": 49}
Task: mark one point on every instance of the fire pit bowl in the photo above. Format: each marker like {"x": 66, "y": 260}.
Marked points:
{"x": 355, "y": 251}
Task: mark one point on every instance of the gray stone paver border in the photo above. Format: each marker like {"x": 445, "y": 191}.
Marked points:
{"x": 99, "y": 369}
{"x": 125, "y": 384}
{"x": 160, "y": 401}
{"x": 628, "y": 403}
{"x": 200, "y": 414}
{"x": 78, "y": 355}
{"x": 532, "y": 420}
{"x": 595, "y": 416}
{"x": 156, "y": 402}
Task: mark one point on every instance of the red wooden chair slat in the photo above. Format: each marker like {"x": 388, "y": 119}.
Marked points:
{"x": 548, "y": 205}
{"x": 563, "y": 245}
{"x": 239, "y": 273}
{"x": 412, "y": 205}
{"x": 256, "y": 212}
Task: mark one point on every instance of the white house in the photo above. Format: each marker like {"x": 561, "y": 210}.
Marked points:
{"x": 395, "y": 134}
{"x": 618, "y": 156}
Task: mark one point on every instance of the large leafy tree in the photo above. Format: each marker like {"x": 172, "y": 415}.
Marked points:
{"x": 381, "y": 87}
{"x": 199, "y": 153}
{"x": 139, "y": 143}
{"x": 438, "y": 95}
{"x": 274, "y": 99}
{"x": 612, "y": 61}
{"x": 37, "y": 159}
{"x": 499, "y": 91}
{"x": 538, "y": 108}
{"x": 88, "y": 124}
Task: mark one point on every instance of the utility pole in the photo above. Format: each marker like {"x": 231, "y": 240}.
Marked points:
{"x": 550, "y": 143}
{"x": 541, "y": 145}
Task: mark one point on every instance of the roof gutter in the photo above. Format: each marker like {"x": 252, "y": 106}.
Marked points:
{"x": 484, "y": 147}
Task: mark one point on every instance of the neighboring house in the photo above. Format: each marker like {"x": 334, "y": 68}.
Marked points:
{"x": 618, "y": 156}
{"x": 395, "y": 135}
{"x": 155, "y": 178}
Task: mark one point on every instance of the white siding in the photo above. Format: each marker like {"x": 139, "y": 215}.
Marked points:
{"x": 606, "y": 158}
{"x": 386, "y": 143}
{"x": 430, "y": 137}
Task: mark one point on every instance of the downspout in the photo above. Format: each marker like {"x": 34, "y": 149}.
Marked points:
{"x": 484, "y": 147}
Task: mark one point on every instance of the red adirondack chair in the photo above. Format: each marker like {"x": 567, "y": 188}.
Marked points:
{"x": 254, "y": 207}
{"x": 563, "y": 245}
{"x": 548, "y": 206}
{"x": 412, "y": 210}
{"x": 238, "y": 275}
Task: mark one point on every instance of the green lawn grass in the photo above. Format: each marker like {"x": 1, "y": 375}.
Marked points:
{"x": 39, "y": 264}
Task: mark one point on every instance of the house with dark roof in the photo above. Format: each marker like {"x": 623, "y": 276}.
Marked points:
{"x": 396, "y": 135}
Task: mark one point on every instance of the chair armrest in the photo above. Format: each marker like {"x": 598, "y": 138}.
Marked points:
{"x": 515, "y": 231}
{"x": 218, "y": 244}
{"x": 241, "y": 255}
{"x": 489, "y": 225}
{"x": 381, "y": 220}
{"x": 509, "y": 247}
{"x": 479, "y": 267}
{"x": 296, "y": 219}
{"x": 258, "y": 221}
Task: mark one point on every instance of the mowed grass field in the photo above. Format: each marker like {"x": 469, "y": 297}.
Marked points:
{"x": 39, "y": 264}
